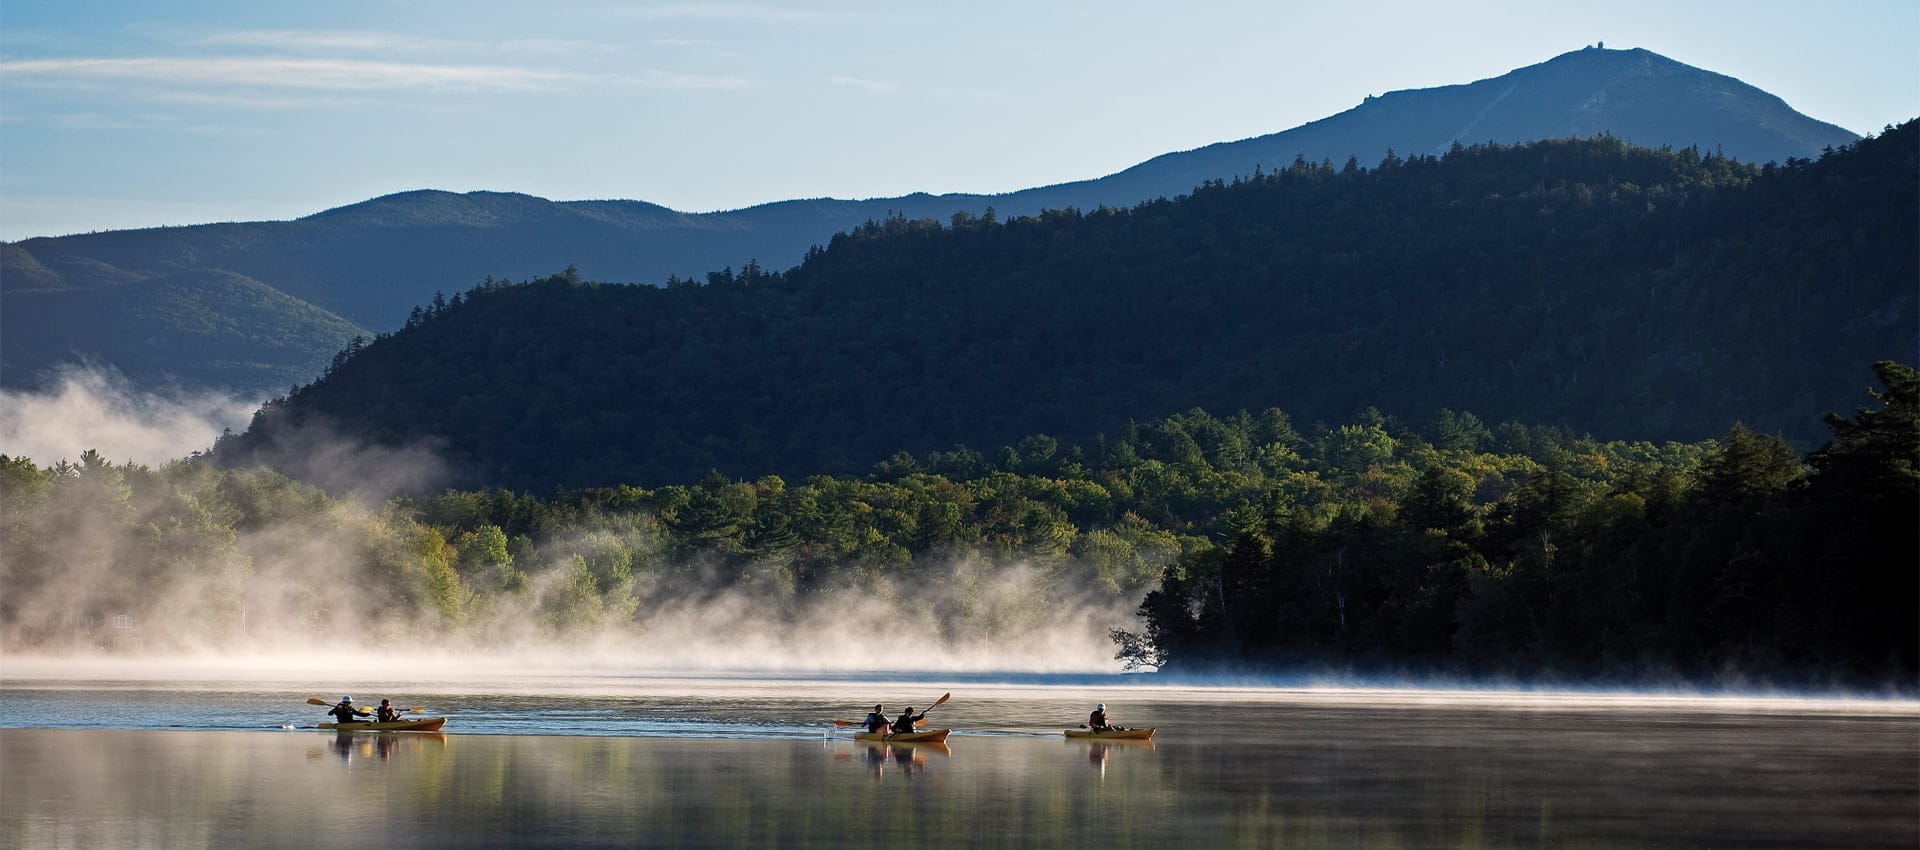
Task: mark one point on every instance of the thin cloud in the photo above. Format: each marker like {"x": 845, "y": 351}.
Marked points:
{"x": 260, "y": 101}
{"x": 560, "y": 46}
{"x": 749, "y": 12}
{"x": 865, "y": 85}
{"x": 968, "y": 94}
{"x": 277, "y": 72}
{"x": 701, "y": 49}
{"x": 100, "y": 121}
{"x": 319, "y": 40}
{"x": 656, "y": 79}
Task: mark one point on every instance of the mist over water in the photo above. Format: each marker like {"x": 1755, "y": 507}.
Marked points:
{"x": 838, "y": 631}
{"x": 109, "y": 577}
{"x": 89, "y": 407}
{"x": 132, "y": 569}
{"x": 283, "y": 600}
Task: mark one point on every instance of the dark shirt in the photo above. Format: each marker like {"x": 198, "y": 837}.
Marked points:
{"x": 1097, "y": 720}
{"x": 905, "y": 724}
{"x": 387, "y": 714}
{"x": 876, "y": 722}
{"x": 345, "y": 714}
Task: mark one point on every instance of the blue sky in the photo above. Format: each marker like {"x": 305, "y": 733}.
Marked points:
{"x": 116, "y": 115}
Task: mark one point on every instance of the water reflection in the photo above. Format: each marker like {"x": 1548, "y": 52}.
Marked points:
{"x": 381, "y": 745}
{"x": 906, "y": 759}
{"x": 909, "y": 759}
{"x": 1294, "y": 776}
{"x": 1100, "y": 752}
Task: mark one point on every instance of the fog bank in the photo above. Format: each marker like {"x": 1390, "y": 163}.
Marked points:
{"x": 87, "y": 407}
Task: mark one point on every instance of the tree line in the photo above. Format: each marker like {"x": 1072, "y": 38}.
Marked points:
{"x": 1450, "y": 545}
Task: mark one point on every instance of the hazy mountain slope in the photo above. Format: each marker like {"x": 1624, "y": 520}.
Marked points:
{"x": 227, "y": 329}
{"x": 1635, "y": 294}
{"x": 372, "y": 262}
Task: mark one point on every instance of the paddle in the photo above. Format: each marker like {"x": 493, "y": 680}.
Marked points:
{"x": 921, "y": 719}
{"x": 325, "y": 704}
{"x": 936, "y": 704}
{"x": 359, "y": 710}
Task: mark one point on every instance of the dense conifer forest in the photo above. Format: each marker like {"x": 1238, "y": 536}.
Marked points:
{"x": 1587, "y": 284}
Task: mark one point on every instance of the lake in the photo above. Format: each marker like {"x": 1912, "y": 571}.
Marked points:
{"x": 754, "y": 761}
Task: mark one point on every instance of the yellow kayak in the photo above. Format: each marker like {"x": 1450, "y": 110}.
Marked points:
{"x": 928, "y": 737}
{"x": 424, "y": 724}
{"x": 1113, "y": 734}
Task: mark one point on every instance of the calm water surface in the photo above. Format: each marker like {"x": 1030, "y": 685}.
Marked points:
{"x": 688, "y": 762}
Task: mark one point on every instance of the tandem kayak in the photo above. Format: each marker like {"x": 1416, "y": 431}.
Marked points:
{"x": 424, "y": 724}
{"x": 1113, "y": 734}
{"x": 930, "y": 736}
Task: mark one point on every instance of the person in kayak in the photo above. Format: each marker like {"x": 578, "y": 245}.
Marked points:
{"x": 386, "y": 713}
{"x": 903, "y": 725}
{"x": 876, "y": 721}
{"x": 1097, "y": 721}
{"x": 345, "y": 712}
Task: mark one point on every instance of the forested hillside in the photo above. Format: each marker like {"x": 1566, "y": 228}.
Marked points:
{"x": 1256, "y": 544}
{"x": 368, "y": 263}
{"x": 225, "y": 329}
{"x": 1630, "y": 293}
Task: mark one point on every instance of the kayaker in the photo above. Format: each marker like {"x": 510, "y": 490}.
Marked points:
{"x": 903, "y": 725}
{"x": 345, "y": 712}
{"x": 876, "y": 721}
{"x": 1097, "y": 721}
{"x": 386, "y": 713}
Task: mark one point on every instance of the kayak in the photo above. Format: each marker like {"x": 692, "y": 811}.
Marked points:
{"x": 1113, "y": 734}
{"x": 928, "y": 737}
{"x": 424, "y": 724}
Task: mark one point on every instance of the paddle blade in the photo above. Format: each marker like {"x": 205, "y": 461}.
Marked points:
{"x": 317, "y": 701}
{"x": 943, "y": 698}
{"x": 844, "y": 723}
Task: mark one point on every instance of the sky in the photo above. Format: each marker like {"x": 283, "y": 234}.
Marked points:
{"x": 138, "y": 114}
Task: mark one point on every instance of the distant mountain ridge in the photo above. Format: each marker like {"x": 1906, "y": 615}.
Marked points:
{"x": 367, "y": 264}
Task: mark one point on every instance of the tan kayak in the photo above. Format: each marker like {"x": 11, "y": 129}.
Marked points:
{"x": 424, "y": 724}
{"x": 1113, "y": 734}
{"x": 928, "y": 737}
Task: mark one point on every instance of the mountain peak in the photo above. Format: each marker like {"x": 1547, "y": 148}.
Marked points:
{"x": 1644, "y": 98}
{"x": 1633, "y": 94}
{"x": 436, "y": 207}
